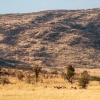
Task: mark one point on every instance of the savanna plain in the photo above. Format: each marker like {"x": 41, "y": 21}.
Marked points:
{"x": 50, "y": 86}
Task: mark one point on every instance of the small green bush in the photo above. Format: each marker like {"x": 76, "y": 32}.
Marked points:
{"x": 94, "y": 78}
{"x": 84, "y": 79}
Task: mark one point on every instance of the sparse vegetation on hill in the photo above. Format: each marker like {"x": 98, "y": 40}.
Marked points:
{"x": 51, "y": 38}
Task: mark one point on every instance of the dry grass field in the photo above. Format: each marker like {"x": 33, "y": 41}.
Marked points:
{"x": 46, "y": 89}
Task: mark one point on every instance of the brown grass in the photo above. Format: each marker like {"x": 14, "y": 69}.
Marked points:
{"x": 44, "y": 90}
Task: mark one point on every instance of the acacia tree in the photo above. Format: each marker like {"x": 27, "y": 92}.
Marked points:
{"x": 84, "y": 79}
{"x": 70, "y": 73}
{"x": 37, "y": 70}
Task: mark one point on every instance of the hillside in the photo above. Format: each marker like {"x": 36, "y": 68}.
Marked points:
{"x": 51, "y": 38}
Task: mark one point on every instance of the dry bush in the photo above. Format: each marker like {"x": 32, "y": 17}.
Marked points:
{"x": 29, "y": 79}
{"x": 19, "y": 75}
{"x": 46, "y": 76}
{"x": 54, "y": 72}
{"x": 4, "y": 72}
{"x": 44, "y": 72}
{"x": 4, "y": 80}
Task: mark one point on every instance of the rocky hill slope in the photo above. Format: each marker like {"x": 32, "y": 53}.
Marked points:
{"x": 51, "y": 38}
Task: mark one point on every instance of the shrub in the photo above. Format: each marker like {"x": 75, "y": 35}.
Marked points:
{"x": 95, "y": 78}
{"x": 54, "y": 72}
{"x": 70, "y": 73}
{"x": 29, "y": 79}
{"x": 4, "y": 80}
{"x": 19, "y": 75}
{"x": 84, "y": 79}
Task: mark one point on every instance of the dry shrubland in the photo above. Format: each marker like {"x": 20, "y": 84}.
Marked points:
{"x": 50, "y": 84}
{"x": 45, "y": 75}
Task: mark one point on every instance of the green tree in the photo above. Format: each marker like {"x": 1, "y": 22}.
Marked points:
{"x": 70, "y": 73}
{"x": 84, "y": 79}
